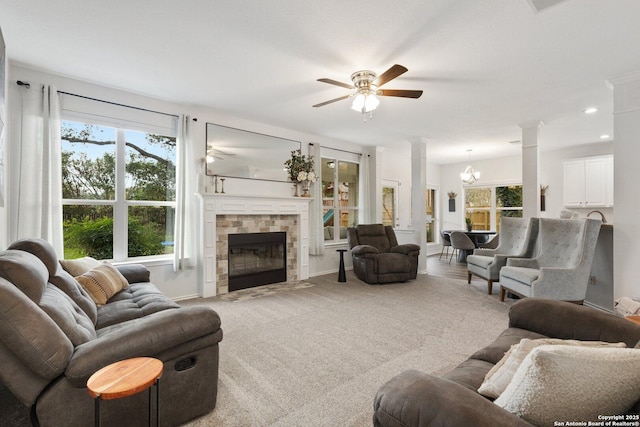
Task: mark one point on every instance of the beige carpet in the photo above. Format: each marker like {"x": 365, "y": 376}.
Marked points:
{"x": 315, "y": 354}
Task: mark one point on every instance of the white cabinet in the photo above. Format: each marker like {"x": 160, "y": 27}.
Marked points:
{"x": 588, "y": 182}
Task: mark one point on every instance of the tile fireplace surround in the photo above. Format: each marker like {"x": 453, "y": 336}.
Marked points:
{"x": 224, "y": 214}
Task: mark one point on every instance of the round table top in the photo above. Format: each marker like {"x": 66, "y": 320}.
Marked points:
{"x": 124, "y": 378}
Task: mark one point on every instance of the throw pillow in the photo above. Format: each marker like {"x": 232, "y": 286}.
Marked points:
{"x": 79, "y": 266}
{"x": 559, "y": 383}
{"x": 102, "y": 282}
{"x": 499, "y": 377}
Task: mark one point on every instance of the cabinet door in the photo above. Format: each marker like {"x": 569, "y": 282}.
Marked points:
{"x": 609, "y": 180}
{"x": 595, "y": 182}
{"x": 574, "y": 183}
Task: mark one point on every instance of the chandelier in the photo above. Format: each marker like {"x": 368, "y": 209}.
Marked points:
{"x": 469, "y": 176}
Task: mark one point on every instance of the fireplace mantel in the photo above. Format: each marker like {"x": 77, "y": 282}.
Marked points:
{"x": 214, "y": 205}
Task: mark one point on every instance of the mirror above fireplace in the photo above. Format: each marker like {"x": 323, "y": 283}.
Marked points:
{"x": 238, "y": 153}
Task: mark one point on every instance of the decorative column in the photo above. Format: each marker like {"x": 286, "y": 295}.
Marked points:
{"x": 419, "y": 198}
{"x": 530, "y": 169}
{"x": 626, "y": 233}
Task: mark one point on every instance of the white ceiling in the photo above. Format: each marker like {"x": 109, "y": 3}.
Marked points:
{"x": 486, "y": 66}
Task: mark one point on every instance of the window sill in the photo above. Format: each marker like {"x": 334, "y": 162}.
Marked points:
{"x": 150, "y": 261}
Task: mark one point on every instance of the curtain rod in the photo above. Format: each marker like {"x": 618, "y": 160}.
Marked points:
{"x": 28, "y": 85}
{"x": 337, "y": 149}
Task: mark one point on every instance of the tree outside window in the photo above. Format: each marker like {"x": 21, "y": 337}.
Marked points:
{"x": 118, "y": 192}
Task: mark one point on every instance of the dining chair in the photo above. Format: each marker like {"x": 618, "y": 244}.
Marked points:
{"x": 460, "y": 241}
{"x": 491, "y": 244}
{"x": 446, "y": 244}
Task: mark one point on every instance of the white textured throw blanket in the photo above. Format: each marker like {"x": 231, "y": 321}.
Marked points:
{"x": 626, "y": 306}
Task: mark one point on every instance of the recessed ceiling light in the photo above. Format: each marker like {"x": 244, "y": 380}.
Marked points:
{"x": 605, "y": 136}
{"x": 590, "y": 110}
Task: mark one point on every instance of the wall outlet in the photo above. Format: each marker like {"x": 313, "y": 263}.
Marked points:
{"x": 592, "y": 280}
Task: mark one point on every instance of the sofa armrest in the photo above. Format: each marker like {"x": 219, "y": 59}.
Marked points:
{"x": 559, "y": 319}
{"x": 363, "y": 250}
{"x": 135, "y": 273}
{"x": 406, "y": 248}
{"x": 145, "y": 336}
{"x": 415, "y": 398}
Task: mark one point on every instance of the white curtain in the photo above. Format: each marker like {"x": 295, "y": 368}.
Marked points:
{"x": 36, "y": 176}
{"x": 181, "y": 237}
{"x": 316, "y": 228}
{"x": 368, "y": 188}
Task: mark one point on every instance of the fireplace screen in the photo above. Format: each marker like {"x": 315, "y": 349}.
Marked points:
{"x": 257, "y": 259}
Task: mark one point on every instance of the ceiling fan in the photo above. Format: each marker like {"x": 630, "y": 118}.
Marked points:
{"x": 366, "y": 88}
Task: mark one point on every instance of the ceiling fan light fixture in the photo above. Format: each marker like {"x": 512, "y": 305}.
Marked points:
{"x": 366, "y": 91}
{"x": 365, "y": 102}
{"x": 358, "y": 103}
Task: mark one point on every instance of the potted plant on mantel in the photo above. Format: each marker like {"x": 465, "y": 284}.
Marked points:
{"x": 300, "y": 170}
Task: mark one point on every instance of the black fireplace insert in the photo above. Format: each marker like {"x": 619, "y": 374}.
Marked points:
{"x": 257, "y": 259}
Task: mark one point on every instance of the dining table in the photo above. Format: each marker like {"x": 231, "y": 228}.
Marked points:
{"x": 478, "y": 237}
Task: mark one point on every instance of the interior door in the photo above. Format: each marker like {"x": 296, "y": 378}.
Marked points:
{"x": 390, "y": 203}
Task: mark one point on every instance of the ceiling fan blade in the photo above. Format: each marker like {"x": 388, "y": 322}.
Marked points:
{"x": 333, "y": 82}
{"x": 401, "y": 93}
{"x": 331, "y": 101}
{"x": 390, "y": 74}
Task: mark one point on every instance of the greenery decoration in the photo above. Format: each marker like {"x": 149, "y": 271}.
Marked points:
{"x": 300, "y": 167}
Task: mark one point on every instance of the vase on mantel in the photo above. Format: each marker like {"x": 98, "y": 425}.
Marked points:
{"x": 305, "y": 188}
{"x": 295, "y": 190}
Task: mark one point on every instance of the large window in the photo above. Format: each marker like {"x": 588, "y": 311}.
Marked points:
{"x": 118, "y": 191}
{"x": 486, "y": 205}
{"x": 340, "y": 186}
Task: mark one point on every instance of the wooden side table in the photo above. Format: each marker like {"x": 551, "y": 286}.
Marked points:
{"x": 635, "y": 319}
{"x": 126, "y": 378}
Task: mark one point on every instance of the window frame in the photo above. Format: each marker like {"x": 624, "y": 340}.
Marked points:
{"x": 494, "y": 208}
{"x": 120, "y": 205}
{"x": 354, "y": 211}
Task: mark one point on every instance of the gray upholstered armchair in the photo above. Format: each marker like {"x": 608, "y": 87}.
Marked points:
{"x": 377, "y": 257}
{"x": 562, "y": 266}
{"x": 518, "y": 238}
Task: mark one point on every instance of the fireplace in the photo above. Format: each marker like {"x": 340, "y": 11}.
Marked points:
{"x": 256, "y": 259}
{"x": 226, "y": 214}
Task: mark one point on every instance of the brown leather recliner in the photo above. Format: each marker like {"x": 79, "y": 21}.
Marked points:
{"x": 377, "y": 257}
